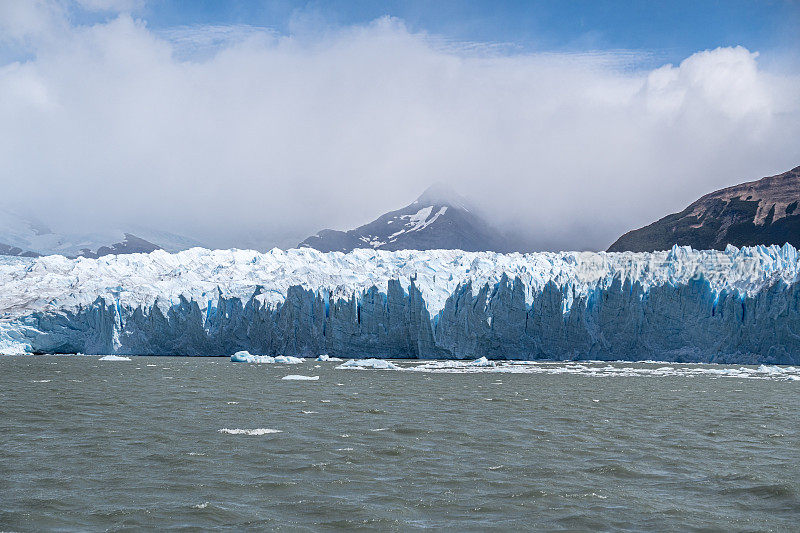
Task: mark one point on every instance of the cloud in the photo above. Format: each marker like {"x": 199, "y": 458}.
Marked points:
{"x": 111, "y": 5}
{"x": 33, "y": 19}
{"x": 242, "y": 136}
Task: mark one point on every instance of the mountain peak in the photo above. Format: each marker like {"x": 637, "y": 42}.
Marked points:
{"x": 438, "y": 219}
{"x": 442, "y": 194}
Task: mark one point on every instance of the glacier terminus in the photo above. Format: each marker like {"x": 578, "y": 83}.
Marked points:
{"x": 734, "y": 306}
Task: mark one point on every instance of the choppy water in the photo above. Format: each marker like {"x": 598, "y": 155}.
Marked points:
{"x": 181, "y": 443}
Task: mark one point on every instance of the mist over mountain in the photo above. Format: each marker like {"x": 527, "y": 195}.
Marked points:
{"x": 438, "y": 219}
{"x": 23, "y": 234}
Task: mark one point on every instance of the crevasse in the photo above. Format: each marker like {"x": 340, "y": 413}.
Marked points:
{"x": 736, "y": 305}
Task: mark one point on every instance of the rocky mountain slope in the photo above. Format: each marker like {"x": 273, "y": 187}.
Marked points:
{"x": 439, "y": 219}
{"x": 758, "y": 212}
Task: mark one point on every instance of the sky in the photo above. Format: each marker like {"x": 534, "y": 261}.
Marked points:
{"x": 258, "y": 123}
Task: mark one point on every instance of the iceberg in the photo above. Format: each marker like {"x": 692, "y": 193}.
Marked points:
{"x": 738, "y": 305}
{"x": 380, "y": 364}
{"x": 480, "y": 363}
{"x": 114, "y": 358}
{"x": 289, "y": 360}
{"x": 244, "y": 356}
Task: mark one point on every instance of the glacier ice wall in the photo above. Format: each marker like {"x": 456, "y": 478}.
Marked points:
{"x": 737, "y": 305}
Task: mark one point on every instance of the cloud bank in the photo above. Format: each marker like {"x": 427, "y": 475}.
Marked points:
{"x": 241, "y": 136}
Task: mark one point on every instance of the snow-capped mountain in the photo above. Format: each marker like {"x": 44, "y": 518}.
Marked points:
{"x": 439, "y": 219}
{"x": 758, "y": 212}
{"x": 22, "y": 234}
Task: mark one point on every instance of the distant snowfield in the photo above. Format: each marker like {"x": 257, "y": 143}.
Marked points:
{"x": 31, "y": 235}
{"x": 736, "y": 305}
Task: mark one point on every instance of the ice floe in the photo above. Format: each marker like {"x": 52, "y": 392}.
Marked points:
{"x": 289, "y": 360}
{"x": 114, "y": 358}
{"x": 481, "y": 362}
{"x": 381, "y": 364}
{"x": 297, "y": 377}
{"x": 620, "y": 369}
{"x": 246, "y": 357}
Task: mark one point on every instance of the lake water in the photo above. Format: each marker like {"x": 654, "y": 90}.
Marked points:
{"x": 184, "y": 443}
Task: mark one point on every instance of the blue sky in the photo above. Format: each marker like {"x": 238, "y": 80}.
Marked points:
{"x": 670, "y": 30}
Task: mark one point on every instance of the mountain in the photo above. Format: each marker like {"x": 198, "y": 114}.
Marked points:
{"x": 757, "y": 212}
{"x": 22, "y": 234}
{"x": 439, "y": 219}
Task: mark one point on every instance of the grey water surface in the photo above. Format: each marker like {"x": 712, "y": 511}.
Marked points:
{"x": 127, "y": 445}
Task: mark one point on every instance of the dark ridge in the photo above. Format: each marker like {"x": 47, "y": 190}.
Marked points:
{"x": 753, "y": 213}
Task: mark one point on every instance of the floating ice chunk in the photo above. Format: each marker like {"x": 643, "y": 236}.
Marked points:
{"x": 326, "y": 357}
{"x": 289, "y": 360}
{"x": 771, "y": 369}
{"x": 251, "y": 432}
{"x": 380, "y": 364}
{"x": 297, "y": 377}
{"x": 247, "y": 357}
{"x": 618, "y": 369}
{"x": 479, "y": 363}
{"x": 114, "y": 358}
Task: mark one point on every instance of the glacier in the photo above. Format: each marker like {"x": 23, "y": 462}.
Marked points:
{"x": 683, "y": 305}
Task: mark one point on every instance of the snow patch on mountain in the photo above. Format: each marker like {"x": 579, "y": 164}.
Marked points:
{"x": 438, "y": 219}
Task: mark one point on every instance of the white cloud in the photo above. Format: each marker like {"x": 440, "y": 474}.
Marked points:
{"x": 725, "y": 79}
{"x": 267, "y": 138}
{"x": 30, "y": 19}
{"x": 111, "y": 5}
